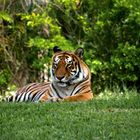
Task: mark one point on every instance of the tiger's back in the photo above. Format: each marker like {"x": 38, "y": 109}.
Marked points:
{"x": 31, "y": 93}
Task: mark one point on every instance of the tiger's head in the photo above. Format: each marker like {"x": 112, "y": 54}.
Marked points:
{"x": 66, "y": 67}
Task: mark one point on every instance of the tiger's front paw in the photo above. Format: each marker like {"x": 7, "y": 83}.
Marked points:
{"x": 54, "y": 99}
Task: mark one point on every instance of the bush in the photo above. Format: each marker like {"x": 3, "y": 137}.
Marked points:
{"x": 108, "y": 31}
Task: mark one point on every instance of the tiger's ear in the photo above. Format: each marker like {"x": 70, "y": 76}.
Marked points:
{"x": 56, "y": 49}
{"x": 80, "y": 52}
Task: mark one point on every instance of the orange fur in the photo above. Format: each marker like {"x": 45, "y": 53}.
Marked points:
{"x": 80, "y": 97}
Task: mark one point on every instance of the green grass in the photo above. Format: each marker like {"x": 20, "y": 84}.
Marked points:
{"x": 106, "y": 117}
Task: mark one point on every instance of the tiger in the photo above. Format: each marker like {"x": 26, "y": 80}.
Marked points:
{"x": 70, "y": 81}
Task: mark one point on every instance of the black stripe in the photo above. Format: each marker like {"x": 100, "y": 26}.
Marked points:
{"x": 79, "y": 67}
{"x": 29, "y": 98}
{"x": 33, "y": 84}
{"x": 41, "y": 94}
{"x": 77, "y": 91}
{"x": 10, "y": 99}
{"x": 16, "y": 97}
{"x": 49, "y": 93}
{"x": 78, "y": 85}
{"x": 32, "y": 89}
{"x": 82, "y": 88}
{"x": 26, "y": 95}
{"x": 31, "y": 92}
{"x": 74, "y": 89}
{"x": 77, "y": 75}
{"x": 20, "y": 95}
{"x": 34, "y": 96}
{"x": 56, "y": 92}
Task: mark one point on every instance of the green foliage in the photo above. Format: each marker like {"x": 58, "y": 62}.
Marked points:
{"x": 4, "y": 78}
{"x": 125, "y": 62}
{"x": 107, "y": 30}
{"x": 27, "y": 42}
{"x": 5, "y": 16}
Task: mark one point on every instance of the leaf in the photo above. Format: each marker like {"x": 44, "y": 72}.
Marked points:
{"x": 5, "y": 16}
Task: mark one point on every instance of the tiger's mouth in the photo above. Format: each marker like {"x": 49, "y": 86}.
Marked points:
{"x": 63, "y": 84}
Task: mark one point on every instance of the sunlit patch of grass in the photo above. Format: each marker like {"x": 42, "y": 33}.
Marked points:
{"x": 118, "y": 93}
{"x": 110, "y": 115}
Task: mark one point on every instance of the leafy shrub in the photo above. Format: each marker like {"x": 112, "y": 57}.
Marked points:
{"x": 107, "y": 30}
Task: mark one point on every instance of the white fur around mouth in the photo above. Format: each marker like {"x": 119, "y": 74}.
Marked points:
{"x": 62, "y": 84}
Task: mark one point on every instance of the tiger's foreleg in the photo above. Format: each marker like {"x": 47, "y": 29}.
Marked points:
{"x": 77, "y": 97}
{"x": 80, "y": 97}
{"x": 47, "y": 99}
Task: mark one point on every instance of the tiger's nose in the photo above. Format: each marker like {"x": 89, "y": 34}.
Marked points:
{"x": 60, "y": 77}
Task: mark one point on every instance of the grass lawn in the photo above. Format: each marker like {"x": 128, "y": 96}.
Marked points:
{"x": 103, "y": 118}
